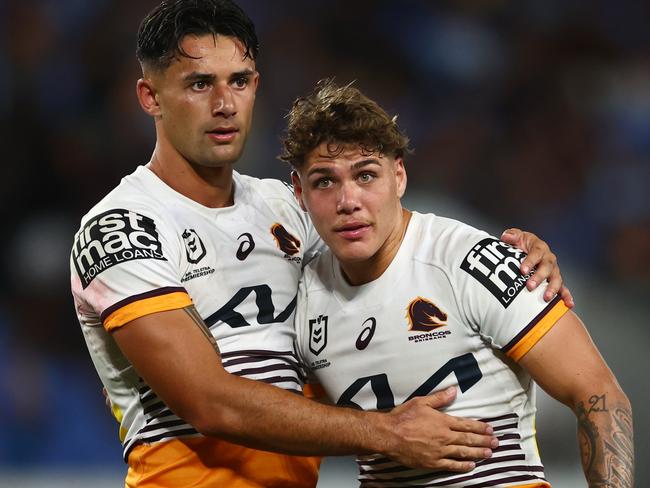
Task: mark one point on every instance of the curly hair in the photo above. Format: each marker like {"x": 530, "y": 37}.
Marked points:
{"x": 340, "y": 116}
{"x": 163, "y": 29}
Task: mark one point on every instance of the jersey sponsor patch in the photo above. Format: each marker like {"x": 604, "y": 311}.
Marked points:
{"x": 496, "y": 266}
{"x": 114, "y": 237}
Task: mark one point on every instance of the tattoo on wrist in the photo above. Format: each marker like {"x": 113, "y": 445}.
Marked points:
{"x": 606, "y": 443}
{"x": 194, "y": 315}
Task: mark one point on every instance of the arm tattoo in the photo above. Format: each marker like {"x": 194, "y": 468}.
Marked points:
{"x": 196, "y": 318}
{"x": 606, "y": 443}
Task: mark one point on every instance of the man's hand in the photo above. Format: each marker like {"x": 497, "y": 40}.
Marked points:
{"x": 540, "y": 256}
{"x": 427, "y": 438}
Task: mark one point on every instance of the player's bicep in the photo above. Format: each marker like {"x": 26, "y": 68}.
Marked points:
{"x": 174, "y": 354}
{"x": 567, "y": 364}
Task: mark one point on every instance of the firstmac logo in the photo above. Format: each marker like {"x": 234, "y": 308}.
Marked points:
{"x": 496, "y": 265}
{"x": 114, "y": 237}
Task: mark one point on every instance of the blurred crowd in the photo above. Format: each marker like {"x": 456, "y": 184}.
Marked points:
{"x": 532, "y": 113}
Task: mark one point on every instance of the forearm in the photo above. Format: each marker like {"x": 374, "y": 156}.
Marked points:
{"x": 286, "y": 422}
{"x": 605, "y": 436}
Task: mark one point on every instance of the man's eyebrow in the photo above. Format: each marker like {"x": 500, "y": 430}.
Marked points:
{"x": 321, "y": 170}
{"x": 243, "y": 73}
{"x": 197, "y": 76}
{"x": 326, "y": 170}
{"x": 365, "y": 162}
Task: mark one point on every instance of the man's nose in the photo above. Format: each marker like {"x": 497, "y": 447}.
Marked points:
{"x": 348, "y": 198}
{"x": 223, "y": 103}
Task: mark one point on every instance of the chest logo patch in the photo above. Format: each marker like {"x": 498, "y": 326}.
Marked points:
{"x": 194, "y": 247}
{"x": 287, "y": 243}
{"x": 318, "y": 334}
{"x": 424, "y": 316}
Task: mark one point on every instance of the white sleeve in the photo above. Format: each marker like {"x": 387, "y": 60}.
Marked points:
{"x": 492, "y": 293}
{"x": 125, "y": 264}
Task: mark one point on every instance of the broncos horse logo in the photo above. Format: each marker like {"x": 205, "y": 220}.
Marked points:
{"x": 287, "y": 243}
{"x": 423, "y": 315}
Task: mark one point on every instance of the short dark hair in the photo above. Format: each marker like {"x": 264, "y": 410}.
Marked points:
{"x": 163, "y": 29}
{"x": 340, "y": 116}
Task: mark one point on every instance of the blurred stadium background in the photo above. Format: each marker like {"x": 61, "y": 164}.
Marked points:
{"x": 529, "y": 113}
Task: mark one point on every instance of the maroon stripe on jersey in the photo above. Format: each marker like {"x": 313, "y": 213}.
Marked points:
{"x": 279, "y": 379}
{"x": 508, "y": 447}
{"x": 507, "y": 437}
{"x": 265, "y": 369}
{"x": 154, "y": 407}
{"x": 500, "y": 459}
{"x": 257, "y": 359}
{"x": 503, "y": 427}
{"x": 148, "y": 294}
{"x": 511, "y": 479}
{"x": 162, "y": 425}
{"x": 501, "y": 417}
{"x": 257, "y": 352}
{"x": 532, "y": 324}
{"x": 461, "y": 479}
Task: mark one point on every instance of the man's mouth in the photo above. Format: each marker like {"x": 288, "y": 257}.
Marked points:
{"x": 223, "y": 134}
{"x": 352, "y": 230}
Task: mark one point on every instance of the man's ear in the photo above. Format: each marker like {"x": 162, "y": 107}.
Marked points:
{"x": 297, "y": 188}
{"x": 400, "y": 177}
{"x": 147, "y": 96}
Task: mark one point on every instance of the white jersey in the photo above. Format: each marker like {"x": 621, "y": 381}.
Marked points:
{"x": 451, "y": 309}
{"x": 146, "y": 248}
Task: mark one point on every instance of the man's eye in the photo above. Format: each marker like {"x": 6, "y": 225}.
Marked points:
{"x": 323, "y": 183}
{"x": 366, "y": 177}
{"x": 241, "y": 82}
{"x": 200, "y": 85}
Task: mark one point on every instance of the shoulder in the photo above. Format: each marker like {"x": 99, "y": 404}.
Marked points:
{"x": 443, "y": 242}
{"x": 136, "y": 196}
{"x": 318, "y": 275}
{"x": 268, "y": 188}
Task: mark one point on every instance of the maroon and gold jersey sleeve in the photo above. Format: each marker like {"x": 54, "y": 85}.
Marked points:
{"x": 125, "y": 264}
{"x": 495, "y": 299}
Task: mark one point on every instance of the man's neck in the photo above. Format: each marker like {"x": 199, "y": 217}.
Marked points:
{"x": 362, "y": 272}
{"x": 211, "y": 187}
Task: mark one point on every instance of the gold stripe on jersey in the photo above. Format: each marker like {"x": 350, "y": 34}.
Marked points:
{"x": 541, "y": 484}
{"x": 117, "y": 413}
{"x": 538, "y": 327}
{"x": 209, "y": 462}
{"x": 145, "y": 306}
{"x": 313, "y": 390}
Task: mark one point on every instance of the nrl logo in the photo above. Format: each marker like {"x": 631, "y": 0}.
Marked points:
{"x": 318, "y": 334}
{"x": 194, "y": 247}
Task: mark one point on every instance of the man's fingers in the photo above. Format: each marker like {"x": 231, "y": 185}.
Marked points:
{"x": 470, "y": 439}
{"x": 512, "y": 236}
{"x": 441, "y": 398}
{"x": 467, "y": 453}
{"x": 566, "y": 296}
{"x": 471, "y": 426}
